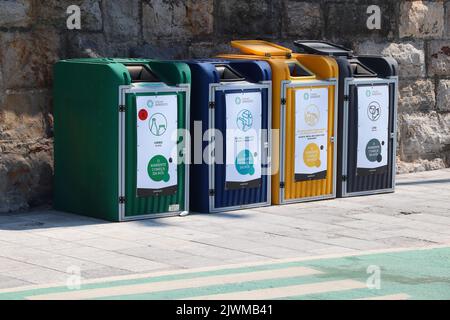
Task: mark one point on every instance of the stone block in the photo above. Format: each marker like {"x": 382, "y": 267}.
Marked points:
{"x": 177, "y": 19}
{"x": 23, "y": 116}
{"x": 416, "y": 96}
{"x": 348, "y": 20}
{"x": 424, "y": 136}
{"x": 28, "y": 58}
{"x": 121, "y": 20}
{"x": 2, "y": 88}
{"x": 443, "y": 96}
{"x": 421, "y": 19}
{"x": 94, "y": 45}
{"x": 439, "y": 58}
{"x": 15, "y": 13}
{"x": 200, "y": 17}
{"x": 26, "y": 164}
{"x": 54, "y": 13}
{"x": 447, "y": 18}
{"x": 303, "y": 20}
{"x": 420, "y": 165}
{"x": 161, "y": 49}
{"x": 91, "y": 18}
{"x": 256, "y": 18}
{"x": 26, "y": 170}
{"x": 209, "y": 49}
{"x": 409, "y": 55}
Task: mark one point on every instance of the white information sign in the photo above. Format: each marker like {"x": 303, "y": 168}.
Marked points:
{"x": 243, "y": 142}
{"x": 157, "y": 125}
{"x": 373, "y": 128}
{"x": 311, "y": 133}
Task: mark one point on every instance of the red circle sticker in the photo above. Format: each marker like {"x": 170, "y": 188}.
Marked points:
{"x": 143, "y": 114}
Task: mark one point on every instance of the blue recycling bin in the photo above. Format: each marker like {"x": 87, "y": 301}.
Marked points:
{"x": 230, "y": 133}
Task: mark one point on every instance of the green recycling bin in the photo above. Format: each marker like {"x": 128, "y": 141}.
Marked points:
{"x": 120, "y": 138}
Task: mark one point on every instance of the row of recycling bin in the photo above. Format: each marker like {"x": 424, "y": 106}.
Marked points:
{"x": 138, "y": 138}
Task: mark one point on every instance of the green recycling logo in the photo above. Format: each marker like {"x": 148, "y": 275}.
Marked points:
{"x": 238, "y": 101}
{"x": 368, "y": 93}
{"x": 245, "y": 163}
{"x": 306, "y": 96}
{"x": 150, "y": 104}
{"x": 158, "y": 169}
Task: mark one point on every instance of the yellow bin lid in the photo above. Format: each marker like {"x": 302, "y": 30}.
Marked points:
{"x": 261, "y": 48}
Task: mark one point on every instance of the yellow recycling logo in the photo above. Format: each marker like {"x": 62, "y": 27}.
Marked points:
{"x": 311, "y": 155}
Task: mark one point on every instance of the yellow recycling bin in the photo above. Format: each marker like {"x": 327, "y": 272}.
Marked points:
{"x": 304, "y": 120}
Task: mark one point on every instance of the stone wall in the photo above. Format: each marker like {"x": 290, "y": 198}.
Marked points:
{"x": 33, "y": 35}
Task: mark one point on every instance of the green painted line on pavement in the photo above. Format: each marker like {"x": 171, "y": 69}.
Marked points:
{"x": 422, "y": 274}
{"x": 220, "y": 289}
{"x": 19, "y": 295}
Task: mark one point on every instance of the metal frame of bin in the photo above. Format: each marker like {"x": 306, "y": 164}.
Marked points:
{"x": 213, "y": 88}
{"x": 345, "y": 126}
{"x": 278, "y": 57}
{"x": 305, "y": 84}
{"x": 266, "y": 145}
{"x": 95, "y": 168}
{"x": 387, "y": 74}
{"x": 155, "y": 88}
{"x": 243, "y": 76}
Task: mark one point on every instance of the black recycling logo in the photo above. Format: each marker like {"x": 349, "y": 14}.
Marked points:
{"x": 373, "y": 150}
{"x": 374, "y": 111}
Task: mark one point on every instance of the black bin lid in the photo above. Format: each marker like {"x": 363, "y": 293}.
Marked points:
{"x": 323, "y": 48}
{"x": 228, "y": 74}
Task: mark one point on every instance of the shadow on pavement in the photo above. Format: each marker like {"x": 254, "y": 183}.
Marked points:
{"x": 49, "y": 219}
{"x": 417, "y": 182}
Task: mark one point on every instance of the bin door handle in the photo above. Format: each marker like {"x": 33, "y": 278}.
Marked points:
{"x": 332, "y": 139}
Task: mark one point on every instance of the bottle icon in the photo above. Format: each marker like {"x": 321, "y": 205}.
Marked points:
{"x": 158, "y": 124}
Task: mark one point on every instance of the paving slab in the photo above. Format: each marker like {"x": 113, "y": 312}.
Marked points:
{"x": 10, "y": 282}
{"x": 38, "y": 275}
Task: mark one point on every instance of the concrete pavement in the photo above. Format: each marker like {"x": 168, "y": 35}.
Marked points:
{"x": 49, "y": 247}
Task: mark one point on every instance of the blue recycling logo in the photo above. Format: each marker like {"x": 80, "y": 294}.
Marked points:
{"x": 244, "y": 120}
{"x": 245, "y": 163}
